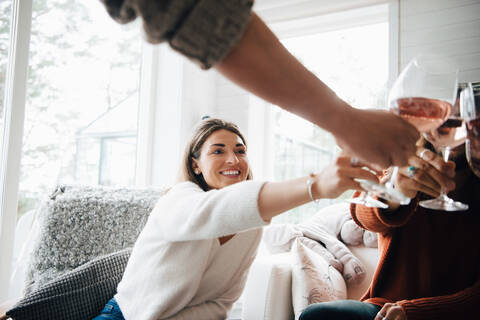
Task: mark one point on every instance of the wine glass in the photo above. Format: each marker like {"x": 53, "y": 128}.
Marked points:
{"x": 449, "y": 135}
{"x": 422, "y": 95}
{"x": 470, "y": 108}
{"x": 366, "y": 198}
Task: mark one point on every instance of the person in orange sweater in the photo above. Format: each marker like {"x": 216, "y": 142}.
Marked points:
{"x": 429, "y": 266}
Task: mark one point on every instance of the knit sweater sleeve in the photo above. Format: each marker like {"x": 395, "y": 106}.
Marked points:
{"x": 460, "y": 305}
{"x": 378, "y": 220}
{"x": 203, "y": 30}
{"x": 187, "y": 212}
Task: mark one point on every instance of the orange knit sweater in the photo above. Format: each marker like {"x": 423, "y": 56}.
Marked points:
{"x": 429, "y": 260}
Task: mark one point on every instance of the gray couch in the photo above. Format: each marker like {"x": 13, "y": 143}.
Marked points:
{"x": 81, "y": 250}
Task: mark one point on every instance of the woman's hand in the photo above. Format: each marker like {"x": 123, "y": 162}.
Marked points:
{"x": 391, "y": 311}
{"x": 339, "y": 177}
{"x": 427, "y": 173}
{"x": 379, "y": 137}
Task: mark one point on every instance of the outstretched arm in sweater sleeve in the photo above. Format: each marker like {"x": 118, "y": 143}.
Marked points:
{"x": 378, "y": 220}
{"x": 460, "y": 305}
{"x": 187, "y": 212}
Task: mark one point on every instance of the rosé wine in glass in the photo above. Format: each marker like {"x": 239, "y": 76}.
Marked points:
{"x": 473, "y": 145}
{"x": 423, "y": 113}
{"x": 451, "y": 133}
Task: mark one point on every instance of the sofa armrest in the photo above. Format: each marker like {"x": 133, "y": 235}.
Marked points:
{"x": 5, "y": 306}
{"x": 268, "y": 291}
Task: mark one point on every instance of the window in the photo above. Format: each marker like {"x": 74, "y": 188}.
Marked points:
{"x": 82, "y": 99}
{"x": 75, "y": 120}
{"x": 354, "y": 62}
{"x": 5, "y": 21}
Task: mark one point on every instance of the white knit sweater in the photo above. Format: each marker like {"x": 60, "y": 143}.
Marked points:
{"x": 178, "y": 269}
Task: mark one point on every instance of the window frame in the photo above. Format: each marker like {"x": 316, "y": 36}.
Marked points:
{"x": 329, "y": 20}
{"x": 14, "y": 115}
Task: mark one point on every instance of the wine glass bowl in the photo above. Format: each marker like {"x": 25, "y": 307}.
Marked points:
{"x": 471, "y": 110}
{"x": 423, "y": 95}
{"x": 449, "y": 135}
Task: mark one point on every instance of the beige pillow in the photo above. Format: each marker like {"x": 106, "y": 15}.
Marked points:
{"x": 313, "y": 279}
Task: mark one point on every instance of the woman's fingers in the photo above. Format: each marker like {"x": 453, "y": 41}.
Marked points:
{"x": 436, "y": 161}
{"x": 429, "y": 169}
{"x": 390, "y": 311}
{"x": 420, "y": 174}
{"x": 359, "y": 173}
{"x": 410, "y": 187}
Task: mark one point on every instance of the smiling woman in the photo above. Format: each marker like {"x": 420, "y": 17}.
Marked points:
{"x": 222, "y": 161}
{"x": 216, "y": 156}
{"x": 191, "y": 259}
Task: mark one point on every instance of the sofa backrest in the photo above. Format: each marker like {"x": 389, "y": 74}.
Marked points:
{"x": 80, "y": 223}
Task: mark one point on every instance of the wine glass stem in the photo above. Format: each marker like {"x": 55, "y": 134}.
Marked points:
{"x": 446, "y": 155}
{"x": 393, "y": 178}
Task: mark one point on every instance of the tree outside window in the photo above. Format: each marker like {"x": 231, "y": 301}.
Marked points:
{"x": 81, "y": 65}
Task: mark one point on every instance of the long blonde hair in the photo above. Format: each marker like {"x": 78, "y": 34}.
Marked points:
{"x": 194, "y": 146}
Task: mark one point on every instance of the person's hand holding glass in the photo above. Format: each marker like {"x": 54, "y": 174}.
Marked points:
{"x": 423, "y": 95}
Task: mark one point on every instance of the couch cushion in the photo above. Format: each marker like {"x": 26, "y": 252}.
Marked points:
{"x": 79, "y": 294}
{"x": 81, "y": 223}
{"x": 313, "y": 279}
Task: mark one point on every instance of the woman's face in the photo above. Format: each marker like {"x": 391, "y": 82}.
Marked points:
{"x": 223, "y": 160}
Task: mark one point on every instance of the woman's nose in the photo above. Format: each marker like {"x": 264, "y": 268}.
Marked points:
{"x": 232, "y": 158}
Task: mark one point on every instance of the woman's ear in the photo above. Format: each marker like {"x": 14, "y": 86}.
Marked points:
{"x": 195, "y": 167}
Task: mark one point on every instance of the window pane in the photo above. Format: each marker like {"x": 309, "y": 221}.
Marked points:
{"x": 5, "y": 20}
{"x": 354, "y": 63}
{"x": 83, "y": 88}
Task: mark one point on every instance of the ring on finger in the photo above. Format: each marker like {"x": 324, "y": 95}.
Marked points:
{"x": 411, "y": 171}
{"x": 422, "y": 154}
{"x": 354, "y": 161}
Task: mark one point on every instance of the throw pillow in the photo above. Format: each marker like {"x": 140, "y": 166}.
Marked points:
{"x": 313, "y": 279}
{"x": 77, "y": 295}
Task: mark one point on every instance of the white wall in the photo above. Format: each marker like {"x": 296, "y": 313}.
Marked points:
{"x": 449, "y": 27}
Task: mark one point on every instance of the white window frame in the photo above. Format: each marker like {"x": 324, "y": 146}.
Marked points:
{"x": 298, "y": 19}
{"x": 14, "y": 116}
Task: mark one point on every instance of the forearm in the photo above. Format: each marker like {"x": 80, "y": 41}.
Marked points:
{"x": 380, "y": 220}
{"x": 262, "y": 65}
{"x": 278, "y": 197}
{"x": 460, "y": 305}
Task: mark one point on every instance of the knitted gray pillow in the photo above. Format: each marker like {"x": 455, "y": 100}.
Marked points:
{"x": 77, "y": 295}
{"x": 80, "y": 223}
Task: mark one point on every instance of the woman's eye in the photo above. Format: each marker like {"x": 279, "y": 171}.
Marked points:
{"x": 218, "y": 151}
{"x": 241, "y": 151}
